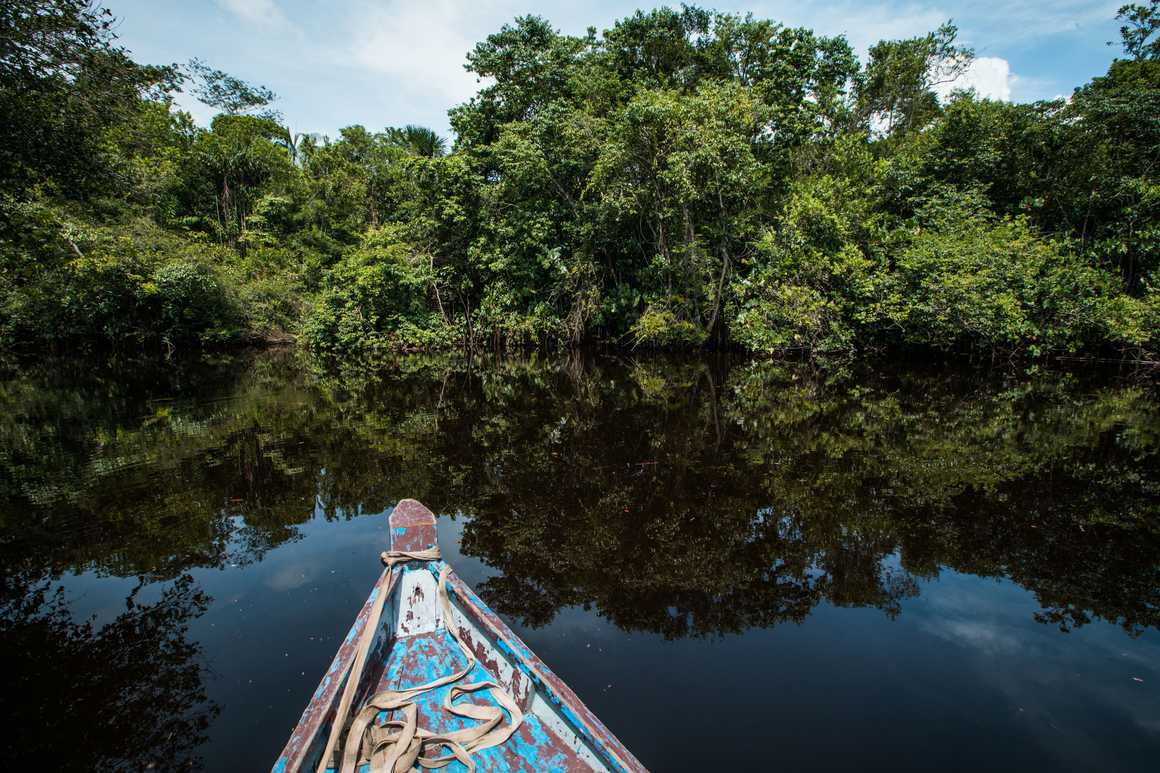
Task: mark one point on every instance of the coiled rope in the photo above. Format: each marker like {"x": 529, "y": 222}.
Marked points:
{"x": 394, "y": 746}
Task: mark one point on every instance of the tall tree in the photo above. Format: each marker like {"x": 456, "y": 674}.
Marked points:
{"x": 227, "y": 93}
{"x": 898, "y": 86}
{"x": 1139, "y": 31}
{"x": 417, "y": 140}
{"x": 63, "y": 84}
{"x": 238, "y": 158}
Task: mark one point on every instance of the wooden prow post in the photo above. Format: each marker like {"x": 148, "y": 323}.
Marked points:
{"x": 416, "y": 611}
{"x": 412, "y": 527}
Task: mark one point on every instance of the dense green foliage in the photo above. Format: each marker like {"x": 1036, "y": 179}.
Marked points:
{"x": 684, "y": 179}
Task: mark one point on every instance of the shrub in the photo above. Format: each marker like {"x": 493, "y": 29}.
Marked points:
{"x": 1132, "y": 325}
{"x": 968, "y": 278}
{"x": 376, "y": 297}
{"x": 66, "y": 280}
{"x": 661, "y": 328}
{"x": 192, "y": 304}
{"x": 812, "y": 278}
{"x": 336, "y": 324}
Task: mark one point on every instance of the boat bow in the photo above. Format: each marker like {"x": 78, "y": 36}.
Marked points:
{"x": 416, "y": 641}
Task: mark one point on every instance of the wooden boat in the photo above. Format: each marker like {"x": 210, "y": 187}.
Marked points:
{"x": 440, "y": 672}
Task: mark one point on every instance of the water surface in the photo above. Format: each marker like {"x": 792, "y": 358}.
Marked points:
{"x": 898, "y": 567}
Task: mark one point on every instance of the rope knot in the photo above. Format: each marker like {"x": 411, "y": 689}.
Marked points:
{"x": 392, "y": 557}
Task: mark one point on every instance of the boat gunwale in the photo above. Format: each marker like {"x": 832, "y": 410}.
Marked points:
{"x": 555, "y": 689}
{"x": 304, "y": 739}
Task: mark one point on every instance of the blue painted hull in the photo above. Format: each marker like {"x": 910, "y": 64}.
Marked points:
{"x": 413, "y": 646}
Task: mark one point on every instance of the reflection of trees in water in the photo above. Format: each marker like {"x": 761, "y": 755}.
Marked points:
{"x": 126, "y": 695}
{"x": 684, "y": 497}
{"x": 140, "y": 468}
{"x": 690, "y": 500}
{"x": 657, "y": 516}
{"x": 678, "y": 496}
{"x": 147, "y": 468}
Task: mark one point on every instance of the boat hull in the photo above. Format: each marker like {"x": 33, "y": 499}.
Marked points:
{"x": 412, "y": 646}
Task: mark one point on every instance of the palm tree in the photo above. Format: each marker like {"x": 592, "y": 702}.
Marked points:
{"x": 293, "y": 142}
{"x": 417, "y": 140}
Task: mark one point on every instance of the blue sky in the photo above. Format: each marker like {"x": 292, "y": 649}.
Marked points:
{"x": 391, "y": 62}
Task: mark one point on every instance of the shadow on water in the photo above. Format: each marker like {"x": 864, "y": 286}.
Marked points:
{"x": 678, "y": 497}
{"x": 123, "y": 695}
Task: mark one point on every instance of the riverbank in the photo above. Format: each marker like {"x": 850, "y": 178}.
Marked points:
{"x": 834, "y": 208}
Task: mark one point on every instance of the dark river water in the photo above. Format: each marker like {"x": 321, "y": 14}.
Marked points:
{"x": 733, "y": 563}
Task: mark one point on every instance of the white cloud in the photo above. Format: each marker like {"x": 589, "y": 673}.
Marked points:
{"x": 989, "y": 76}
{"x": 989, "y": 22}
{"x": 423, "y": 45}
{"x": 263, "y": 12}
{"x": 989, "y": 637}
{"x": 864, "y": 24}
{"x": 202, "y": 114}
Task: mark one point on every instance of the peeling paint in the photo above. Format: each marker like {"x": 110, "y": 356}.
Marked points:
{"x": 412, "y": 648}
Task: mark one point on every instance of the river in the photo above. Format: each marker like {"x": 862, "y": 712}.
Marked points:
{"x": 732, "y": 562}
